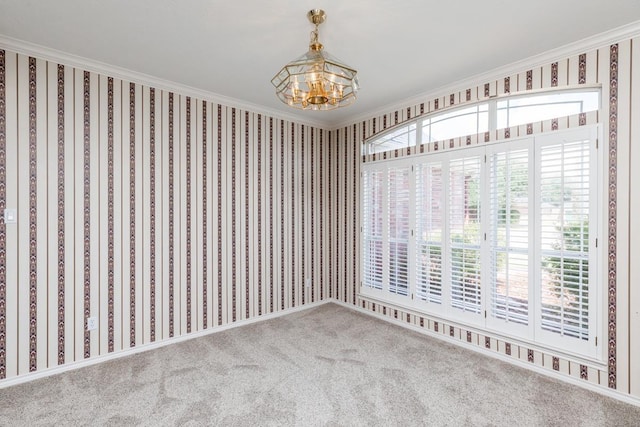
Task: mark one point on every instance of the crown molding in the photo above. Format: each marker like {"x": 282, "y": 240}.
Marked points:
{"x": 581, "y": 46}
{"x": 86, "y": 64}
{"x": 590, "y": 43}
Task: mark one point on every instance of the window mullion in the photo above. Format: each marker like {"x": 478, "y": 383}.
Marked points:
{"x": 534, "y": 238}
{"x": 493, "y": 115}
{"x": 411, "y": 264}
{"x": 385, "y": 232}
{"x": 485, "y": 228}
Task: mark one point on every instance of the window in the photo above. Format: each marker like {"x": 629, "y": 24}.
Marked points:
{"x": 372, "y": 224}
{"x": 498, "y": 113}
{"x": 500, "y": 236}
{"x": 510, "y": 233}
{"x": 398, "y": 138}
{"x": 430, "y": 219}
{"x": 459, "y": 122}
{"x": 398, "y": 226}
{"x": 519, "y": 110}
{"x": 464, "y": 232}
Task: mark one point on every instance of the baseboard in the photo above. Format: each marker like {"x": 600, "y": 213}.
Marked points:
{"x": 627, "y": 398}
{"x": 151, "y": 346}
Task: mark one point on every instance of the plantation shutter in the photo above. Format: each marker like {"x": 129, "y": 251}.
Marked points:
{"x": 430, "y": 224}
{"x": 398, "y": 208}
{"x": 508, "y": 233}
{"x": 372, "y": 228}
{"x": 464, "y": 233}
{"x": 563, "y": 205}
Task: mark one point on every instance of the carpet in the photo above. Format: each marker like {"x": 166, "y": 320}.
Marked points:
{"x": 325, "y": 366}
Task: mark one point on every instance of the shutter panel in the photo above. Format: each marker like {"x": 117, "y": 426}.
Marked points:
{"x": 564, "y": 196}
{"x": 398, "y": 196}
{"x": 508, "y": 236}
{"x": 372, "y": 231}
{"x": 464, "y": 233}
{"x": 430, "y": 223}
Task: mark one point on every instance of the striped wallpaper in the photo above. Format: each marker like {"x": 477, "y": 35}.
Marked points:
{"x": 163, "y": 215}
{"x": 610, "y": 67}
{"x": 157, "y": 213}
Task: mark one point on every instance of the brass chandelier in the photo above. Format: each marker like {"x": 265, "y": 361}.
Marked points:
{"x": 316, "y": 80}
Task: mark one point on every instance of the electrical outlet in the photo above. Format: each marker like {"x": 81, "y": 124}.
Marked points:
{"x": 92, "y": 323}
{"x": 308, "y": 282}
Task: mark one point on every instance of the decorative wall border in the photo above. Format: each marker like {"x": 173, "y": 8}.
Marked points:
{"x": 188, "y": 212}
{"x": 87, "y": 211}
{"x": 613, "y": 213}
{"x": 260, "y": 272}
{"x": 33, "y": 218}
{"x": 321, "y": 213}
{"x": 247, "y": 277}
{"x": 271, "y": 196}
{"x": 61, "y": 209}
{"x": 132, "y": 214}
{"x": 205, "y": 252}
{"x": 171, "y": 220}
{"x": 219, "y": 158}
{"x": 3, "y": 227}
{"x": 292, "y": 189}
{"x": 110, "y": 220}
{"x": 282, "y": 260}
{"x": 312, "y": 196}
{"x": 152, "y": 213}
{"x": 354, "y": 219}
{"x": 345, "y": 206}
{"x": 234, "y": 260}
{"x": 303, "y": 247}
{"x": 330, "y": 217}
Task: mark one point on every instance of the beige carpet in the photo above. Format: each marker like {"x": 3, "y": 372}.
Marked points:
{"x": 325, "y": 366}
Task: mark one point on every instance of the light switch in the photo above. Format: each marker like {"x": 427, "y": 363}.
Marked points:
{"x": 10, "y": 216}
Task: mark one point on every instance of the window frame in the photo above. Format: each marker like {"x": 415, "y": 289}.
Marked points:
{"x": 417, "y": 124}
{"x": 533, "y": 336}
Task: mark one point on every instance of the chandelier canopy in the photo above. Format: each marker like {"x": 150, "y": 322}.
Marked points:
{"x": 316, "y": 80}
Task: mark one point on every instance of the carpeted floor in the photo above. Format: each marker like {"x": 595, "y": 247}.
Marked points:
{"x": 324, "y": 366}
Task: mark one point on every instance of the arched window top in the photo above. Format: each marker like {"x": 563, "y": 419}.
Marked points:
{"x": 496, "y": 113}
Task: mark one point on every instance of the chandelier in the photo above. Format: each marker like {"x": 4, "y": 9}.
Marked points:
{"x": 316, "y": 80}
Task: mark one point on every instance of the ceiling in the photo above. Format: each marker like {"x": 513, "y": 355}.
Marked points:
{"x": 234, "y": 48}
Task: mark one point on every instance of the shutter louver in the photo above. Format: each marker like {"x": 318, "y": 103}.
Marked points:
{"x": 372, "y": 231}
{"x": 564, "y": 196}
{"x": 398, "y": 196}
{"x": 509, "y": 234}
{"x": 464, "y": 233}
{"x": 429, "y": 231}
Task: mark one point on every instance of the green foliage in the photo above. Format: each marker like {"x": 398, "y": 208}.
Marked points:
{"x": 570, "y": 276}
{"x": 502, "y": 216}
{"x": 465, "y": 260}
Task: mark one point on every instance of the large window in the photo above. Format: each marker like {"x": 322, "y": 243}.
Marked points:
{"x": 500, "y": 236}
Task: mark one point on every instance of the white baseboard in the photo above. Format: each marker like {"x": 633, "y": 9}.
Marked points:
{"x": 627, "y": 398}
{"x": 151, "y": 346}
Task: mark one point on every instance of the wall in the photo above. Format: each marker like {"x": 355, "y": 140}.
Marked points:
{"x": 610, "y": 66}
{"x": 166, "y": 224}
{"x": 159, "y": 213}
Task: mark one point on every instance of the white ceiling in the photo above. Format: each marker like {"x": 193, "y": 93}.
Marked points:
{"x": 234, "y": 48}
